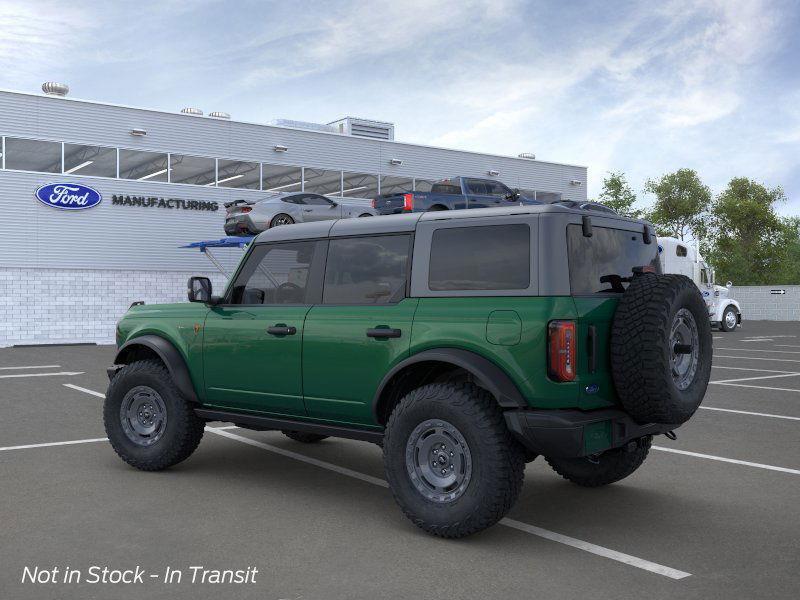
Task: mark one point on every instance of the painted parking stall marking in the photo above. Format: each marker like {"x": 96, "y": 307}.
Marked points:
{"x": 19, "y": 375}
{"x": 31, "y": 367}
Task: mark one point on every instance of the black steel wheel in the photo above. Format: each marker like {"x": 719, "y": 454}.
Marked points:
{"x": 150, "y": 425}
{"x": 452, "y": 465}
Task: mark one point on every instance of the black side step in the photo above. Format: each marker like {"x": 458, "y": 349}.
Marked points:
{"x": 261, "y": 423}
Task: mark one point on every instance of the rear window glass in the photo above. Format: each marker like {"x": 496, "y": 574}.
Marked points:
{"x": 604, "y": 262}
{"x": 493, "y": 257}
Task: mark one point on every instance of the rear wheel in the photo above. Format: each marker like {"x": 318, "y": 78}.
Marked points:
{"x": 452, "y": 464}
{"x": 306, "y": 438}
{"x": 608, "y": 467}
{"x": 281, "y": 219}
{"x": 150, "y": 425}
{"x": 729, "y": 320}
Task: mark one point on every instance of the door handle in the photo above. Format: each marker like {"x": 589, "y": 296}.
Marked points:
{"x": 384, "y": 332}
{"x": 281, "y": 329}
{"x": 308, "y": 209}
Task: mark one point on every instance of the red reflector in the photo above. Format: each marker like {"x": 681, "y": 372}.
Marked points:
{"x": 408, "y": 202}
{"x": 246, "y": 209}
{"x": 561, "y": 350}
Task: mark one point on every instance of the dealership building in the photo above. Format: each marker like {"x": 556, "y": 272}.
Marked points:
{"x": 161, "y": 180}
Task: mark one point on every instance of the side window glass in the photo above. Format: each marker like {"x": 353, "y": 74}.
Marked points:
{"x": 497, "y": 189}
{"x": 477, "y": 187}
{"x": 275, "y": 274}
{"x": 367, "y": 270}
{"x": 317, "y": 200}
{"x": 681, "y": 250}
{"x": 299, "y": 199}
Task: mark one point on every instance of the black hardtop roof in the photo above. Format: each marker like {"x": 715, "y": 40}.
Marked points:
{"x": 408, "y": 222}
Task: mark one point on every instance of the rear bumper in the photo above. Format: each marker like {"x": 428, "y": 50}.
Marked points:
{"x": 571, "y": 433}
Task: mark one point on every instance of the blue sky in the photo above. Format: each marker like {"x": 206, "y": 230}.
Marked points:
{"x": 642, "y": 87}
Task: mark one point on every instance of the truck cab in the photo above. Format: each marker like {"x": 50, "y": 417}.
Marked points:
{"x": 681, "y": 258}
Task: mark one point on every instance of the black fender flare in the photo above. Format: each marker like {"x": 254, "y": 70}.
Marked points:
{"x": 170, "y": 356}
{"x": 494, "y": 379}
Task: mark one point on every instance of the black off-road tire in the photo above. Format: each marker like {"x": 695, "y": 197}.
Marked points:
{"x": 723, "y": 325}
{"x": 641, "y": 349}
{"x": 609, "y": 467}
{"x": 497, "y": 461}
{"x": 183, "y": 429}
{"x": 306, "y": 438}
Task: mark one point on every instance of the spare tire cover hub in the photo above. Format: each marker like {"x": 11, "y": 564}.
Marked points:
{"x": 684, "y": 341}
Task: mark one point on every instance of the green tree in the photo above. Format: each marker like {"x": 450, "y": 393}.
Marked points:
{"x": 681, "y": 204}
{"x": 617, "y": 194}
{"x": 750, "y": 243}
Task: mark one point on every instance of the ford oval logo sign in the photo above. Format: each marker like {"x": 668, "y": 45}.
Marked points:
{"x": 68, "y": 196}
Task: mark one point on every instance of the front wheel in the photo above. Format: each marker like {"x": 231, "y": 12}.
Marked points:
{"x": 729, "y": 320}
{"x": 150, "y": 425}
{"x": 608, "y": 467}
{"x": 452, "y": 464}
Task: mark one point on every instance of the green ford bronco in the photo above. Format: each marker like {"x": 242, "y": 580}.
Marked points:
{"x": 465, "y": 343}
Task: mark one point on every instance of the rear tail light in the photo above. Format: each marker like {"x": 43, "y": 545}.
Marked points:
{"x": 561, "y": 350}
{"x": 408, "y": 202}
{"x": 374, "y": 201}
{"x": 246, "y": 209}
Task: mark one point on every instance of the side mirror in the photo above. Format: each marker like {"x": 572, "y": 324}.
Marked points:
{"x": 199, "y": 289}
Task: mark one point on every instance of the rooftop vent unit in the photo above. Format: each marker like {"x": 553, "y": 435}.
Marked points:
{"x": 219, "y": 115}
{"x": 303, "y": 125}
{"x": 192, "y": 111}
{"x": 51, "y": 88}
{"x": 376, "y": 130}
{"x": 527, "y": 155}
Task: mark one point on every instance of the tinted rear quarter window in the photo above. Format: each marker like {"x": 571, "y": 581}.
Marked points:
{"x": 491, "y": 257}
{"x": 366, "y": 270}
{"x": 601, "y": 263}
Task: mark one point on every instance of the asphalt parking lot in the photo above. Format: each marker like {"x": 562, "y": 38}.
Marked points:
{"x": 711, "y": 515}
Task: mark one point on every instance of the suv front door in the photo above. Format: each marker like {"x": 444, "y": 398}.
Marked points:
{"x": 252, "y": 341}
{"x": 361, "y": 329}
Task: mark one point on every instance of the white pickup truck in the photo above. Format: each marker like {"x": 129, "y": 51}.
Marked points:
{"x": 679, "y": 257}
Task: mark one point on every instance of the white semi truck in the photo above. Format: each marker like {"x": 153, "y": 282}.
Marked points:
{"x": 679, "y": 257}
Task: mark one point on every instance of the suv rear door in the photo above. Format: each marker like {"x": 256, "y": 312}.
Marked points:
{"x": 361, "y": 328}
{"x": 252, "y": 341}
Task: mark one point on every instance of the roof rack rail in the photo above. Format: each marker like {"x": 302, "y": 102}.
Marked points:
{"x": 595, "y": 206}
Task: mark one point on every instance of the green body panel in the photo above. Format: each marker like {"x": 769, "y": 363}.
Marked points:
{"x": 463, "y": 323}
{"x": 175, "y": 323}
{"x": 504, "y": 328}
{"x": 597, "y": 311}
{"x": 247, "y": 368}
{"x": 342, "y": 367}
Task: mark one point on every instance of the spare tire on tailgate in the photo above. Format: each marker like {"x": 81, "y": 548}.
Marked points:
{"x": 661, "y": 348}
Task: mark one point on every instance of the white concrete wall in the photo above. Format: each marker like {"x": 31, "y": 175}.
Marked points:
{"x": 52, "y": 306}
{"x": 760, "y": 304}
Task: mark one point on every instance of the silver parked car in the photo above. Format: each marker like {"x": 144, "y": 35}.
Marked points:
{"x": 249, "y": 217}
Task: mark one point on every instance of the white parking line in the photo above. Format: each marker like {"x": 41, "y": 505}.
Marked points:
{"x": 754, "y": 378}
{"x": 67, "y": 373}
{"x": 533, "y": 530}
{"x": 758, "y": 387}
{"x": 749, "y": 369}
{"x": 728, "y": 460}
{"x": 793, "y": 360}
{"x": 747, "y": 412}
{"x": 84, "y": 390}
{"x": 759, "y": 350}
{"x": 31, "y": 367}
{"x": 48, "y": 444}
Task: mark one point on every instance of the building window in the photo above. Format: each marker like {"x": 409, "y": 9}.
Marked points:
{"x": 96, "y": 161}
{"x": 143, "y": 166}
{"x": 280, "y": 178}
{"x": 396, "y": 185}
{"x": 237, "y": 174}
{"x": 33, "y": 155}
{"x": 491, "y": 257}
{"x": 360, "y": 185}
{"x": 194, "y": 170}
{"x": 366, "y": 270}
{"x": 320, "y": 181}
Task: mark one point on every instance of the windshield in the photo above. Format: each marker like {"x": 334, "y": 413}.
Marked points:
{"x": 604, "y": 262}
